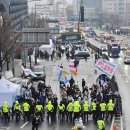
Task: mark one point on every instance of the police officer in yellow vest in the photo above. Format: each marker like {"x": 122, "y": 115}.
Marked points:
{"x": 17, "y": 106}
{"x": 61, "y": 108}
{"x": 69, "y": 111}
{"x": 26, "y": 110}
{"x": 103, "y": 109}
{"x": 76, "y": 110}
{"x": 17, "y": 109}
{"x": 49, "y": 108}
{"x": 110, "y": 109}
{"x": 93, "y": 107}
{"x": 5, "y": 111}
{"x": 85, "y": 110}
{"x": 101, "y": 124}
{"x": 39, "y": 110}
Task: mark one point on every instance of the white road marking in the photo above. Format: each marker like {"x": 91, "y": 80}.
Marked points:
{"x": 24, "y": 125}
{"x": 6, "y": 128}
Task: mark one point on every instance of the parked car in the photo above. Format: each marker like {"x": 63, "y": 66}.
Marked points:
{"x": 127, "y": 60}
{"x": 82, "y": 55}
{"x": 40, "y": 72}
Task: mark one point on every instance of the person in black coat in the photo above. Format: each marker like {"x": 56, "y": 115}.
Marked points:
{"x": 83, "y": 83}
{"x": 35, "y": 121}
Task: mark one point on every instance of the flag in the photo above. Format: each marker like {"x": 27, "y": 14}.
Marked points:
{"x": 64, "y": 76}
{"x": 28, "y": 72}
{"x": 56, "y": 70}
{"x": 73, "y": 69}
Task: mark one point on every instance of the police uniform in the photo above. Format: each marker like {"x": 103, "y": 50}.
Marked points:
{"x": 101, "y": 124}
{"x": 103, "y": 109}
{"x": 17, "y": 108}
{"x": 94, "y": 106}
{"x": 39, "y": 109}
{"x": 76, "y": 110}
{"x": 5, "y": 110}
{"x": 85, "y": 110}
{"x": 61, "y": 108}
{"x": 110, "y": 109}
{"x": 26, "y": 110}
{"x": 70, "y": 111}
{"x": 49, "y": 108}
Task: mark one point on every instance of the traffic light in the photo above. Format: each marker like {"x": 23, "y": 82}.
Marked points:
{"x": 82, "y": 13}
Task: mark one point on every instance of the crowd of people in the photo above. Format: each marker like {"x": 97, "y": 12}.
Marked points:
{"x": 97, "y": 102}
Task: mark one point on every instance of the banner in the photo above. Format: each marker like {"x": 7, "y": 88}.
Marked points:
{"x": 64, "y": 76}
{"x": 28, "y": 72}
{"x": 105, "y": 67}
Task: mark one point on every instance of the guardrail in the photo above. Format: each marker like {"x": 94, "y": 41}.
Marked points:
{"x": 117, "y": 122}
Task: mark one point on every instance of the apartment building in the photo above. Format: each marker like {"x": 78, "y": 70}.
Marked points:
{"x": 16, "y": 12}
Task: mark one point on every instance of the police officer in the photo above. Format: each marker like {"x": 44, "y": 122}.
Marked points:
{"x": 35, "y": 121}
{"x": 103, "y": 109}
{"x": 85, "y": 110}
{"x": 110, "y": 109}
{"x": 94, "y": 106}
{"x": 26, "y": 110}
{"x": 101, "y": 124}
{"x": 69, "y": 110}
{"x": 49, "y": 108}
{"x": 5, "y": 111}
{"x": 39, "y": 110}
{"x": 17, "y": 109}
{"x": 61, "y": 108}
{"x": 76, "y": 110}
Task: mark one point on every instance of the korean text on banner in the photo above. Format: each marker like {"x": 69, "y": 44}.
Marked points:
{"x": 105, "y": 67}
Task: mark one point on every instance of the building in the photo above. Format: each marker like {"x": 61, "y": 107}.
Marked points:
{"x": 118, "y": 7}
{"x": 89, "y": 13}
{"x": 61, "y": 8}
{"x": 16, "y": 12}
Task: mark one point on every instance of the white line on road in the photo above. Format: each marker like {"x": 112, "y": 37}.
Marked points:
{"x": 7, "y": 128}
{"x": 24, "y": 125}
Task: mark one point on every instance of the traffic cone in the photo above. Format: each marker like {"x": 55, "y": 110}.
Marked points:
{"x": 114, "y": 126}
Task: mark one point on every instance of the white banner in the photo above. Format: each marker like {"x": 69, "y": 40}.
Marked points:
{"x": 105, "y": 67}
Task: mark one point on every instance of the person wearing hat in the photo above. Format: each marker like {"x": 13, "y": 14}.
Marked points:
{"x": 5, "y": 111}
{"x": 17, "y": 109}
{"x": 35, "y": 121}
{"x": 26, "y": 110}
{"x": 49, "y": 108}
{"x": 61, "y": 108}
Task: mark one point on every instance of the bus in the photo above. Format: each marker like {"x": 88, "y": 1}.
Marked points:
{"x": 113, "y": 49}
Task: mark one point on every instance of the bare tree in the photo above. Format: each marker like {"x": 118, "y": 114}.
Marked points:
{"x": 8, "y": 44}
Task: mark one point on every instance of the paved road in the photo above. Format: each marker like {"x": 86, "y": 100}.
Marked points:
{"x": 86, "y": 71}
{"x": 123, "y": 80}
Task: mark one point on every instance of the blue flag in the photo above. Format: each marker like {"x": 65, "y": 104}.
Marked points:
{"x": 64, "y": 76}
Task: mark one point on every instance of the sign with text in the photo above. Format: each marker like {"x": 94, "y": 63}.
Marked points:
{"x": 105, "y": 67}
{"x": 71, "y": 36}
